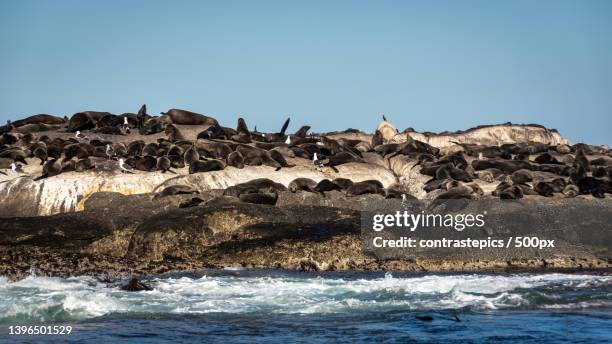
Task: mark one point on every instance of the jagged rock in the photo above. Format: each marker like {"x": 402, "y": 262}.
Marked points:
{"x": 135, "y": 285}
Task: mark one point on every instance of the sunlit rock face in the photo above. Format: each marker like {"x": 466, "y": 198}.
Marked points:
{"x": 490, "y": 135}
{"x": 22, "y": 196}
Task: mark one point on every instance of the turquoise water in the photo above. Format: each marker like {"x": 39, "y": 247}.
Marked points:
{"x": 277, "y": 306}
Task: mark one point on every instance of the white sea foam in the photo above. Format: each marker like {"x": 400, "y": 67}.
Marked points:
{"x": 53, "y": 299}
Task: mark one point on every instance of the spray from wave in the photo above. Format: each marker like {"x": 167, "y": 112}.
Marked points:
{"x": 49, "y": 299}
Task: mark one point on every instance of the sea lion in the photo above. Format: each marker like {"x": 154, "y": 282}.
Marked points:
{"x": 151, "y": 149}
{"x": 512, "y": 192}
{"x": 108, "y": 130}
{"x": 255, "y": 185}
{"x": 83, "y": 165}
{"x": 69, "y": 165}
{"x": 506, "y": 166}
{"x": 543, "y": 189}
{"x": 284, "y": 150}
{"x": 175, "y": 190}
{"x": 457, "y": 192}
{"x": 191, "y": 155}
{"x": 176, "y": 161}
{"x": 489, "y": 175}
{"x": 15, "y": 154}
{"x": 259, "y": 198}
{"x": 243, "y": 135}
{"x": 278, "y": 157}
{"x": 591, "y": 185}
{"x": 302, "y": 184}
{"x": 40, "y": 151}
{"x": 558, "y": 169}
{"x": 36, "y": 127}
{"x": 173, "y": 133}
{"x": 212, "y": 149}
{"x": 448, "y": 170}
{"x": 377, "y": 138}
{"x": 135, "y": 148}
{"x": 39, "y": 119}
{"x": 184, "y": 117}
{"x": 280, "y": 136}
{"x": 10, "y": 138}
{"x": 571, "y": 191}
{"x": 153, "y": 125}
{"x": 558, "y": 184}
{"x": 546, "y": 158}
{"x": 206, "y": 166}
{"x": 254, "y": 156}
{"x": 343, "y": 183}
{"x": 600, "y": 172}
{"x": 235, "y": 159}
{"x": 326, "y": 185}
{"x": 144, "y": 163}
{"x": 50, "y": 168}
{"x": 521, "y": 176}
{"x": 302, "y": 132}
{"x": 79, "y": 150}
{"x": 366, "y": 187}
{"x": 85, "y": 120}
{"x": 580, "y": 160}
{"x": 342, "y": 158}
{"x": 164, "y": 164}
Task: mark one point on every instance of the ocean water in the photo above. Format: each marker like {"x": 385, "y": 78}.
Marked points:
{"x": 285, "y": 307}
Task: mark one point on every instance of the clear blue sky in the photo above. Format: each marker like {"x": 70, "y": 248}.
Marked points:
{"x": 431, "y": 65}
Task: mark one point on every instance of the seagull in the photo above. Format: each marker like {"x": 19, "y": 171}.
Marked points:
{"x": 78, "y": 135}
{"x": 316, "y": 161}
{"x": 125, "y": 168}
{"x": 126, "y": 125}
{"x": 404, "y": 199}
{"x": 16, "y": 168}
{"x": 480, "y": 156}
{"x": 288, "y": 140}
{"x": 109, "y": 152}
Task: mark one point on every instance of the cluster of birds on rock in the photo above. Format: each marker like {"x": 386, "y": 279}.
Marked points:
{"x": 518, "y": 168}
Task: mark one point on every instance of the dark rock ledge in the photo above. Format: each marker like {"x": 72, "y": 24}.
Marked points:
{"x": 117, "y": 235}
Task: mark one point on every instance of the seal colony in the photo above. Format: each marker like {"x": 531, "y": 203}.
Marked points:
{"x": 105, "y": 141}
{"x": 332, "y": 174}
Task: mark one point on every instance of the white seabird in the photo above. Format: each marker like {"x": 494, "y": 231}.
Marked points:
{"x": 125, "y": 168}
{"x": 480, "y": 156}
{"x": 78, "y": 135}
{"x": 109, "y": 152}
{"x": 316, "y": 161}
{"x": 126, "y": 125}
{"x": 288, "y": 140}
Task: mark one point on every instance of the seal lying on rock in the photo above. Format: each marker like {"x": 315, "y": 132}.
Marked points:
{"x": 178, "y": 116}
{"x": 175, "y": 190}
{"x": 206, "y": 166}
{"x": 269, "y": 198}
{"x": 254, "y": 186}
{"x": 366, "y": 187}
{"x": 302, "y": 184}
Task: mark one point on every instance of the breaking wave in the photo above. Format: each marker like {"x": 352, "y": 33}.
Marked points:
{"x": 50, "y": 299}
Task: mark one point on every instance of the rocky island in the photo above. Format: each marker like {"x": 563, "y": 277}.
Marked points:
{"x": 133, "y": 194}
